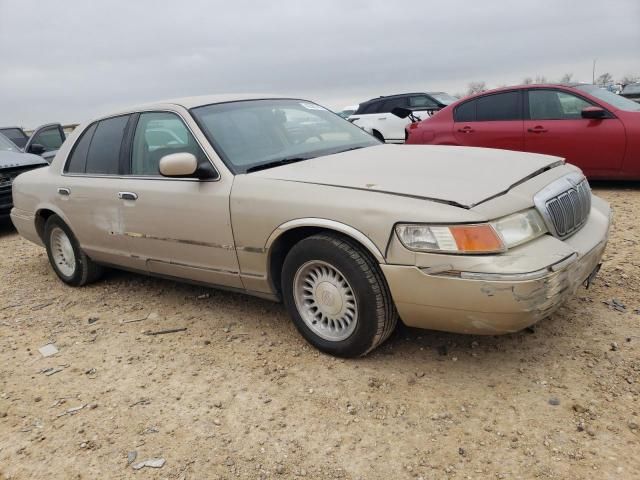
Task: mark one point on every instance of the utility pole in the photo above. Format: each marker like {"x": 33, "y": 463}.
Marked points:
{"x": 593, "y": 80}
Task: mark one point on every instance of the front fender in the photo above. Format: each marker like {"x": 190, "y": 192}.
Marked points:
{"x": 329, "y": 225}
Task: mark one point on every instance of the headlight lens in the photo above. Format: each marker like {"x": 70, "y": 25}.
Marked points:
{"x": 492, "y": 237}
{"x": 480, "y": 238}
{"x": 520, "y": 227}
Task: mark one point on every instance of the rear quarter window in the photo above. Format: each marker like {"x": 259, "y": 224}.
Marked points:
{"x": 77, "y": 162}
{"x": 465, "y": 112}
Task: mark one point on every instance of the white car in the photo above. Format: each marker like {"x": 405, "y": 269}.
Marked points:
{"x": 374, "y": 116}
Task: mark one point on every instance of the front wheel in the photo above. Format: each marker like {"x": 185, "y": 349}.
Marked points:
{"x": 70, "y": 263}
{"x": 337, "y": 296}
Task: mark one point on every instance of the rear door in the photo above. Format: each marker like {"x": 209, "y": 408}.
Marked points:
{"x": 493, "y": 121}
{"x": 88, "y": 190}
{"x": 47, "y": 138}
{"x": 555, "y": 126}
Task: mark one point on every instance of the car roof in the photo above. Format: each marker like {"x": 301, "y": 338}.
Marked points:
{"x": 517, "y": 87}
{"x": 198, "y": 101}
{"x": 382, "y": 97}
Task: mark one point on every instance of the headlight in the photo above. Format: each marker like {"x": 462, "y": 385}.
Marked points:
{"x": 520, "y": 227}
{"x": 492, "y": 237}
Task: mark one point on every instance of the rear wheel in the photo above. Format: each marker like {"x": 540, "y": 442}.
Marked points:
{"x": 70, "y": 263}
{"x": 337, "y": 296}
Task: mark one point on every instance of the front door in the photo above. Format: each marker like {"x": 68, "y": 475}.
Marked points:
{"x": 555, "y": 126}
{"x": 179, "y": 227}
{"x": 47, "y": 138}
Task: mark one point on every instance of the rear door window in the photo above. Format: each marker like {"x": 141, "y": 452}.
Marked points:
{"x": 499, "y": 107}
{"x": 104, "y": 151}
{"x": 392, "y": 103}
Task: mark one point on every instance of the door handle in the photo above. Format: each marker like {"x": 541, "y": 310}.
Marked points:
{"x": 64, "y": 191}
{"x": 382, "y": 118}
{"x": 127, "y": 196}
{"x": 466, "y": 130}
{"x": 538, "y": 129}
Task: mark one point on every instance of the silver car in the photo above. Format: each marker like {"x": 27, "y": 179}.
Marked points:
{"x": 280, "y": 198}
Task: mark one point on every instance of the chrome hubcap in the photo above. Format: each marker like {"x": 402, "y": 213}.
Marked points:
{"x": 325, "y": 300}
{"x": 62, "y": 252}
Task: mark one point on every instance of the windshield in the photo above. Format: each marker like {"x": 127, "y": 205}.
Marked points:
{"x": 444, "y": 98}
{"x": 250, "y": 134}
{"x": 611, "y": 98}
{"x": 7, "y": 145}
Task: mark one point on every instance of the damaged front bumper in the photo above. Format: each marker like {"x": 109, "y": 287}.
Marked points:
{"x": 498, "y": 301}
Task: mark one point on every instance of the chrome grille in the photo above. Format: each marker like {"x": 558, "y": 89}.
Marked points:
{"x": 565, "y": 204}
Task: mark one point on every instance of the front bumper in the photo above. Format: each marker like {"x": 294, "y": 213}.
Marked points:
{"x": 499, "y": 301}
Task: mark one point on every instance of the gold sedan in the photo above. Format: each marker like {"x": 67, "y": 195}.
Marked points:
{"x": 280, "y": 198}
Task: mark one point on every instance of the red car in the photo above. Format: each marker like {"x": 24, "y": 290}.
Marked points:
{"x": 590, "y": 127}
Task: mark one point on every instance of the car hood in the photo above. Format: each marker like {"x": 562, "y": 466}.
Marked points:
{"x": 18, "y": 159}
{"x": 461, "y": 176}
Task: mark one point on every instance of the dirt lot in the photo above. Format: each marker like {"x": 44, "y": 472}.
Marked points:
{"x": 240, "y": 395}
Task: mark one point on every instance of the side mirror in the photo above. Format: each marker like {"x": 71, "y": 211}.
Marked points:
{"x": 36, "y": 149}
{"x": 401, "y": 112}
{"x": 594, "y": 113}
{"x": 181, "y": 164}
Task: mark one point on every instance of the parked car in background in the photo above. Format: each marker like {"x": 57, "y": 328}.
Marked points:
{"x": 347, "y": 111}
{"x": 13, "y": 162}
{"x": 590, "y": 127}
{"x": 16, "y": 134}
{"x": 280, "y": 198}
{"x": 375, "y": 117}
{"x": 44, "y": 141}
{"x": 632, "y": 92}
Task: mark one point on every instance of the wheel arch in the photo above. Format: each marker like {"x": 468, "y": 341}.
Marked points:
{"x": 42, "y": 215}
{"x": 283, "y": 238}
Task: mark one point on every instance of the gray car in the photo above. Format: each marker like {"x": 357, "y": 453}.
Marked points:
{"x": 13, "y": 162}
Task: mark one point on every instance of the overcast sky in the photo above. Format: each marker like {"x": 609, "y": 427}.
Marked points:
{"x": 69, "y": 60}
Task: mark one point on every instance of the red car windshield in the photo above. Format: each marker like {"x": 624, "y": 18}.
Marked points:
{"x": 611, "y": 98}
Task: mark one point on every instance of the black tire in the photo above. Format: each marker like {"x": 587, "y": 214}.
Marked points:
{"x": 376, "y": 313}
{"x": 378, "y": 135}
{"x": 85, "y": 271}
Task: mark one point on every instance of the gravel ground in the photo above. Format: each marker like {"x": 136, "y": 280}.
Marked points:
{"x": 238, "y": 394}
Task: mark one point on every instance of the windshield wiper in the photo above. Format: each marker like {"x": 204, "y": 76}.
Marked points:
{"x": 349, "y": 149}
{"x": 276, "y": 163}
